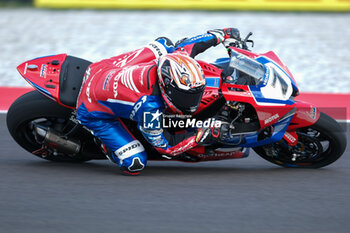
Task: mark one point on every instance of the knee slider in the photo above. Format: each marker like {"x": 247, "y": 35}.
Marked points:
{"x": 132, "y": 156}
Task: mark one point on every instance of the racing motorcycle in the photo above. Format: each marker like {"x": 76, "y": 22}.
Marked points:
{"x": 262, "y": 112}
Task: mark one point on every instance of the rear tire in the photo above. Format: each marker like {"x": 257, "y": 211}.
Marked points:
{"x": 33, "y": 106}
{"x": 318, "y": 145}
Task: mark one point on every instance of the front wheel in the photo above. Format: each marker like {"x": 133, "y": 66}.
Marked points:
{"x": 318, "y": 145}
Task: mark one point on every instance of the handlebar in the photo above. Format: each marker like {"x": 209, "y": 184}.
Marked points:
{"x": 242, "y": 44}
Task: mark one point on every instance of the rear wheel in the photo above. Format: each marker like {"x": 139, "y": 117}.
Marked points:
{"x": 35, "y": 109}
{"x": 318, "y": 145}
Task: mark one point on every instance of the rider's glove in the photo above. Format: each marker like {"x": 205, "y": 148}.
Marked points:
{"x": 226, "y": 33}
{"x": 207, "y": 136}
{"x": 167, "y": 43}
{"x": 204, "y": 136}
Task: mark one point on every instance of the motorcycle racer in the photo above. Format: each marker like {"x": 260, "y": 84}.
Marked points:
{"x": 145, "y": 83}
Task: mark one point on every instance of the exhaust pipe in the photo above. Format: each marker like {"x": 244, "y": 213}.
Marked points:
{"x": 51, "y": 139}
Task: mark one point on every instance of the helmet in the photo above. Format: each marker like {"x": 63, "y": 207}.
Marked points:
{"x": 181, "y": 81}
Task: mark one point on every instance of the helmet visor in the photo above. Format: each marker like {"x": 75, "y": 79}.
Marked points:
{"x": 187, "y": 101}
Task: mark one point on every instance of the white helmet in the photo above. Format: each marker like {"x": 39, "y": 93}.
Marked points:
{"x": 181, "y": 81}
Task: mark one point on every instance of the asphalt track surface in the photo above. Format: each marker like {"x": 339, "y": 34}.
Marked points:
{"x": 249, "y": 195}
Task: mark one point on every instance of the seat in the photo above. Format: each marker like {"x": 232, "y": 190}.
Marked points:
{"x": 71, "y": 77}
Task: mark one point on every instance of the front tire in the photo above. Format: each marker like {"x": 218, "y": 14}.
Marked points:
{"x": 318, "y": 145}
{"x": 34, "y": 107}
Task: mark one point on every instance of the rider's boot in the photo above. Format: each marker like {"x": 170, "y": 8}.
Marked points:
{"x": 130, "y": 165}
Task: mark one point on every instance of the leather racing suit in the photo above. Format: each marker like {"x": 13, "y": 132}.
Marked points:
{"x": 126, "y": 86}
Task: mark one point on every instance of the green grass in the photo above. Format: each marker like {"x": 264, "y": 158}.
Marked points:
{"x": 15, "y": 4}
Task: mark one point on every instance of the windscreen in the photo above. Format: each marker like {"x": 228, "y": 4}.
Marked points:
{"x": 248, "y": 66}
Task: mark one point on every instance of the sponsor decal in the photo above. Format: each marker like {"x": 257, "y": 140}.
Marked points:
{"x": 157, "y": 48}
{"x": 220, "y": 155}
{"x": 202, "y": 135}
{"x": 142, "y": 75}
{"x": 163, "y": 145}
{"x": 89, "y": 84}
{"x": 158, "y": 141}
{"x": 115, "y": 85}
{"x": 43, "y": 70}
{"x": 107, "y": 79}
{"x": 88, "y": 92}
{"x": 199, "y": 135}
{"x": 290, "y": 137}
{"x": 125, "y": 76}
{"x": 183, "y": 148}
{"x": 266, "y": 77}
{"x": 137, "y": 107}
{"x": 270, "y": 119}
{"x": 313, "y": 112}
{"x": 127, "y": 58}
{"x": 129, "y": 150}
{"x": 25, "y": 68}
{"x": 199, "y": 37}
{"x": 87, "y": 75}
